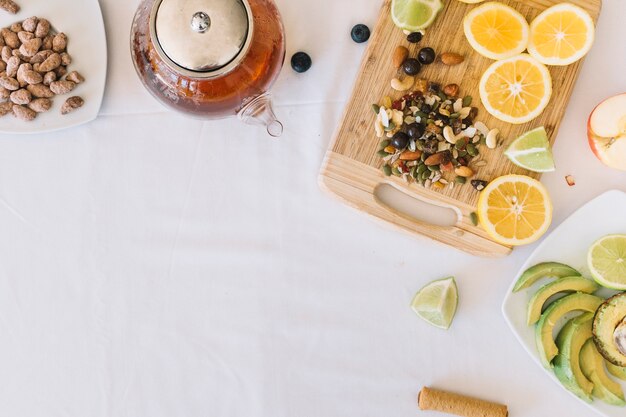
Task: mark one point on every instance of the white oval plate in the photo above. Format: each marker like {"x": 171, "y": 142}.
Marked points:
{"x": 82, "y": 22}
{"x": 568, "y": 244}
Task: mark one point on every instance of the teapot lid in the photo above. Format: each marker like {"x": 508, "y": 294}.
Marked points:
{"x": 201, "y": 38}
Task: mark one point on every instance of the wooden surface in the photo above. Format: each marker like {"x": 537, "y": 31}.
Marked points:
{"x": 351, "y": 170}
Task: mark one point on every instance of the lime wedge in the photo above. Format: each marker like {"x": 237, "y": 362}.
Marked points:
{"x": 607, "y": 261}
{"x": 414, "y": 15}
{"x": 532, "y": 151}
{"x": 436, "y": 302}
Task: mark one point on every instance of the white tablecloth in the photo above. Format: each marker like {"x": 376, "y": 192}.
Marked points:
{"x": 155, "y": 265}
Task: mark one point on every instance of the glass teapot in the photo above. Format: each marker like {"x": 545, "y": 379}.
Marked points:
{"x": 211, "y": 58}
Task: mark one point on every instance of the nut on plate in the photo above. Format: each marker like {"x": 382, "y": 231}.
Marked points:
{"x": 399, "y": 56}
{"x": 72, "y": 104}
{"x": 21, "y": 96}
{"x": 10, "y": 6}
{"x": 40, "y": 105}
{"x": 451, "y": 58}
{"x": 24, "y": 113}
{"x": 62, "y": 87}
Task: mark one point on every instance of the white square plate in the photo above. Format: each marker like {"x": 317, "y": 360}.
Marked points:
{"x": 568, "y": 244}
{"x": 82, "y": 22}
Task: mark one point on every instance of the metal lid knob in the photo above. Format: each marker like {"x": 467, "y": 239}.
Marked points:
{"x": 204, "y": 37}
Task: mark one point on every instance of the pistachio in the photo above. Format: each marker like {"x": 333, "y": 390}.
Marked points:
{"x": 451, "y": 58}
{"x": 399, "y": 56}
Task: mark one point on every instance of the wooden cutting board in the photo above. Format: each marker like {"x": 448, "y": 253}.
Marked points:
{"x": 352, "y": 170}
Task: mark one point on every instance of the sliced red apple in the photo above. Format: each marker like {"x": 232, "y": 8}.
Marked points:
{"x": 606, "y": 131}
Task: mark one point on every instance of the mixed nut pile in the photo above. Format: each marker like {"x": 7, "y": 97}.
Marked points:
{"x": 431, "y": 135}
{"x": 33, "y": 67}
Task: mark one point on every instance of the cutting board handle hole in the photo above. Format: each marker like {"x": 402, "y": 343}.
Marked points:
{"x": 397, "y": 201}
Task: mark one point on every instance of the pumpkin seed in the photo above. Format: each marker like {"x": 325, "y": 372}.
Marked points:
{"x": 382, "y": 153}
{"x": 421, "y": 169}
{"x": 471, "y": 149}
{"x": 467, "y": 101}
{"x": 376, "y": 108}
{"x": 384, "y": 144}
{"x": 460, "y": 144}
{"x": 387, "y": 170}
{"x": 460, "y": 180}
{"x": 395, "y": 171}
{"x": 474, "y": 218}
{"x": 434, "y": 168}
{"x": 391, "y": 127}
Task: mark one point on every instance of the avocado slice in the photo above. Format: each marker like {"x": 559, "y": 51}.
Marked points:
{"x": 607, "y": 332}
{"x": 574, "y": 284}
{"x": 567, "y": 366}
{"x": 544, "y": 270}
{"x": 616, "y": 371}
{"x": 555, "y": 312}
{"x": 604, "y": 388}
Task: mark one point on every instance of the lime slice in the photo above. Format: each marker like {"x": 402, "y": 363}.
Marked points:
{"x": 607, "y": 261}
{"x": 532, "y": 151}
{"x": 414, "y": 15}
{"x": 436, "y": 302}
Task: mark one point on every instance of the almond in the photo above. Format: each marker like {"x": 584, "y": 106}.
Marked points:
{"x": 451, "y": 90}
{"x": 435, "y": 159}
{"x": 464, "y": 171}
{"x": 399, "y": 56}
{"x": 451, "y": 58}
{"x": 410, "y": 156}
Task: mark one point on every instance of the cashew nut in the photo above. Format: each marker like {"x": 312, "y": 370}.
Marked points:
{"x": 403, "y": 85}
{"x": 448, "y": 134}
{"x": 492, "y": 139}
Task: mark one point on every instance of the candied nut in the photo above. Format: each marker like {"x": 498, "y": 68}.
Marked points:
{"x": 31, "y": 47}
{"x": 75, "y": 77}
{"x": 72, "y": 104}
{"x": 66, "y": 59}
{"x": 4, "y": 93}
{"x": 10, "y": 38}
{"x": 30, "y": 24}
{"x": 40, "y": 105}
{"x": 43, "y": 28}
{"x": 20, "y": 74}
{"x": 59, "y": 42}
{"x": 451, "y": 90}
{"x": 33, "y": 77}
{"x": 410, "y": 156}
{"x": 3, "y": 66}
{"x": 24, "y": 113}
{"x": 1, "y": 42}
{"x": 464, "y": 171}
{"x": 399, "y": 56}
{"x": 21, "y": 96}
{"x": 50, "y": 77}
{"x": 62, "y": 87}
{"x": 10, "y": 6}
{"x": 16, "y": 27}
{"x": 7, "y": 53}
{"x": 51, "y": 63}
{"x": 39, "y": 90}
{"x": 60, "y": 71}
{"x": 9, "y": 83}
{"x": 403, "y": 85}
{"x": 24, "y": 36}
{"x": 451, "y": 58}
{"x": 41, "y": 56}
{"x": 12, "y": 65}
{"x": 6, "y": 108}
{"x": 46, "y": 45}
{"x": 17, "y": 53}
{"x": 570, "y": 180}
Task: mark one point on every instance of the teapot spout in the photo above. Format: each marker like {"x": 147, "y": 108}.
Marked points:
{"x": 260, "y": 112}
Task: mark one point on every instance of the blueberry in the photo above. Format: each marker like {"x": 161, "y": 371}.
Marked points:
{"x": 414, "y": 37}
{"x": 415, "y": 130}
{"x": 427, "y": 56}
{"x": 411, "y": 66}
{"x": 400, "y": 140}
{"x": 360, "y": 33}
{"x": 301, "y": 62}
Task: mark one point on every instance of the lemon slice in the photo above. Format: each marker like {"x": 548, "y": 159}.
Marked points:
{"x": 607, "y": 261}
{"x": 436, "y": 302}
{"x": 516, "y": 90}
{"x": 561, "y": 35}
{"x": 415, "y": 15}
{"x": 532, "y": 151}
{"x": 496, "y": 30}
{"x": 515, "y": 210}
